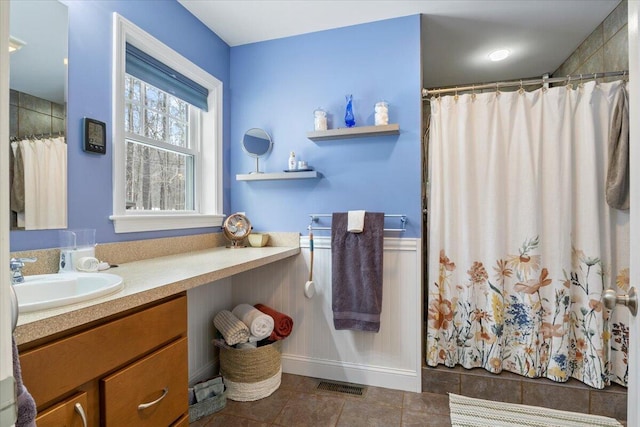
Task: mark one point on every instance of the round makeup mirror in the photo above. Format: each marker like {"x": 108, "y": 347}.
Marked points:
{"x": 256, "y": 143}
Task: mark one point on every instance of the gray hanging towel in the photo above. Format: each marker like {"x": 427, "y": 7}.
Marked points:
{"x": 26, "y": 405}
{"x": 617, "y": 186}
{"x": 16, "y": 198}
{"x": 356, "y": 269}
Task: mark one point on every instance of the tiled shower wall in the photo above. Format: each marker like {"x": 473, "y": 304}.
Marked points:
{"x": 30, "y": 115}
{"x": 571, "y": 396}
{"x": 605, "y": 49}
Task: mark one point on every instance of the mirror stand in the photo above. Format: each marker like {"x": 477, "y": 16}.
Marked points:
{"x": 257, "y": 166}
{"x": 256, "y": 143}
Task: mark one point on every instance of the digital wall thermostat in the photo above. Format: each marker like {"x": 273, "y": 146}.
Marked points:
{"x": 95, "y": 136}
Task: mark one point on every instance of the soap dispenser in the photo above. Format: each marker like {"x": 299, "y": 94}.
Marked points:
{"x": 292, "y": 161}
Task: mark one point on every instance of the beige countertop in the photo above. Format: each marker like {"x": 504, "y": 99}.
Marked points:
{"x": 150, "y": 280}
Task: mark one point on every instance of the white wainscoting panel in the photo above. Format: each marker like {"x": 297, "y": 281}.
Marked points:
{"x": 390, "y": 358}
{"x": 203, "y": 303}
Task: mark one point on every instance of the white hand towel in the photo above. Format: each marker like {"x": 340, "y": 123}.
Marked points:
{"x": 259, "y": 323}
{"x": 355, "y": 221}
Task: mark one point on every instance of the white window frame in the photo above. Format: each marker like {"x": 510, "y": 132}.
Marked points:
{"x": 208, "y": 187}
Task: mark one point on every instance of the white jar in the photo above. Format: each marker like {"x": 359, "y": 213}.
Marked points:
{"x": 381, "y": 113}
{"x": 319, "y": 119}
{"x": 292, "y": 161}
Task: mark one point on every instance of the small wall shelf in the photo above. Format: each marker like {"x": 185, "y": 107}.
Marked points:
{"x": 276, "y": 176}
{"x": 354, "y": 132}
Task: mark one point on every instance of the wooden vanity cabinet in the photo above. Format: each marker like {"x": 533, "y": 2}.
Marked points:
{"x": 111, "y": 368}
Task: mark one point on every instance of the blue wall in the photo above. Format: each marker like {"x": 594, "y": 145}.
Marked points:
{"x": 89, "y": 95}
{"x": 276, "y": 85}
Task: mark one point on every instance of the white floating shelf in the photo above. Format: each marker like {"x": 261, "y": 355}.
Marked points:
{"x": 354, "y": 132}
{"x": 276, "y": 176}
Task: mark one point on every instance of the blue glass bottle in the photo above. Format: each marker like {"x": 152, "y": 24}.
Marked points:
{"x": 349, "y": 119}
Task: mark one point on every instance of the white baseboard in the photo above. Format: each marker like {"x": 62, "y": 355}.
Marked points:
{"x": 398, "y": 379}
{"x": 204, "y": 372}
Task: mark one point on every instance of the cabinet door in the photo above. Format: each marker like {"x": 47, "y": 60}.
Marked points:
{"x": 69, "y": 413}
{"x": 150, "y": 392}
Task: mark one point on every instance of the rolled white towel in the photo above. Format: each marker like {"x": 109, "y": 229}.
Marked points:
{"x": 355, "y": 221}
{"x": 259, "y": 323}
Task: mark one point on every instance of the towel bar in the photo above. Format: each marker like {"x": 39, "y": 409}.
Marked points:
{"x": 316, "y": 218}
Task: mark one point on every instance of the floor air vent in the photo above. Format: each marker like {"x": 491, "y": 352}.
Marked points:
{"x": 350, "y": 389}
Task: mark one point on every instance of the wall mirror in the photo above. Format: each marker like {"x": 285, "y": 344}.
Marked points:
{"x": 38, "y": 49}
{"x": 256, "y": 143}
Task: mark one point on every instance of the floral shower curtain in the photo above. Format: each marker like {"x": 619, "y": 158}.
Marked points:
{"x": 521, "y": 240}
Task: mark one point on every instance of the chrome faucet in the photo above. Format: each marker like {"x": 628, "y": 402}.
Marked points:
{"x": 16, "y": 265}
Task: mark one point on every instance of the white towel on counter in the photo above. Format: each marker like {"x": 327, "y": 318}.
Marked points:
{"x": 355, "y": 221}
{"x": 260, "y": 324}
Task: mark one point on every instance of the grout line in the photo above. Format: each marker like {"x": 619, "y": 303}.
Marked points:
{"x": 521, "y": 391}
{"x": 273, "y": 422}
{"x": 341, "y": 410}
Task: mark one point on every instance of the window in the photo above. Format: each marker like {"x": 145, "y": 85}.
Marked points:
{"x": 167, "y": 137}
{"x": 161, "y": 149}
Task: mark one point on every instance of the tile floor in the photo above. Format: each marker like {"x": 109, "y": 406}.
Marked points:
{"x": 297, "y": 403}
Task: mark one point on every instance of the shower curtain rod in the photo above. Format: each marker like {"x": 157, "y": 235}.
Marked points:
{"x": 512, "y": 83}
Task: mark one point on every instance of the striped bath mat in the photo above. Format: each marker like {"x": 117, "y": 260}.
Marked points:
{"x": 470, "y": 412}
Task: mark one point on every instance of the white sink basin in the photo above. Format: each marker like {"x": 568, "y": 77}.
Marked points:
{"x": 54, "y": 290}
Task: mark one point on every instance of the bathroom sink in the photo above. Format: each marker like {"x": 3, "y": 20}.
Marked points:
{"x": 43, "y": 291}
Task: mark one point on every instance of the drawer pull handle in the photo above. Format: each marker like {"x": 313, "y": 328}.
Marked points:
{"x": 143, "y": 406}
{"x": 14, "y": 308}
{"x": 80, "y": 411}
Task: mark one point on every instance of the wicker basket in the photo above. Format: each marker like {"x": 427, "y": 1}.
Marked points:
{"x": 250, "y": 373}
